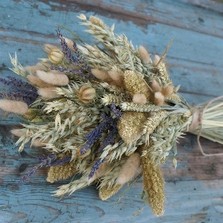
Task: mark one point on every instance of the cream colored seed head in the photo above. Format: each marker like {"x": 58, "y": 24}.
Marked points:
{"x": 17, "y": 132}
{"x": 56, "y": 56}
{"x": 139, "y": 99}
{"x": 38, "y": 143}
{"x": 33, "y": 69}
{"x": 116, "y": 76}
{"x": 101, "y": 75}
{"x": 155, "y": 86}
{"x": 159, "y": 98}
{"x": 168, "y": 90}
{"x": 18, "y": 107}
{"x": 36, "y": 81}
{"x": 53, "y": 77}
{"x": 69, "y": 43}
{"x": 144, "y": 55}
{"x": 129, "y": 170}
{"x": 48, "y": 93}
{"x": 156, "y": 60}
{"x": 87, "y": 93}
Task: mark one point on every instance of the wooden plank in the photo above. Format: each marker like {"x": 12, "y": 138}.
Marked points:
{"x": 187, "y": 202}
{"x": 194, "y": 189}
{"x": 187, "y": 57}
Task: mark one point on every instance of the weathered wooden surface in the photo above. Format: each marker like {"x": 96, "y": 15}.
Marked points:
{"x": 195, "y": 189}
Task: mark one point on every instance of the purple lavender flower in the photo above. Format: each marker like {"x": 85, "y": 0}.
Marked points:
{"x": 109, "y": 139}
{"x": 75, "y": 58}
{"x": 95, "y": 167}
{"x": 116, "y": 111}
{"x": 18, "y": 90}
{"x": 95, "y": 134}
{"x": 46, "y": 161}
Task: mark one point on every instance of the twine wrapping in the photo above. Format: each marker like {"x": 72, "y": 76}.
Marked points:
{"x": 196, "y": 124}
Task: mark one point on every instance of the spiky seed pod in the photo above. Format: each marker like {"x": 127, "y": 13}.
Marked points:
{"x": 53, "y": 77}
{"x": 155, "y": 86}
{"x": 36, "y": 81}
{"x": 107, "y": 192}
{"x": 158, "y": 98}
{"x": 18, "y": 107}
{"x": 130, "y": 126}
{"x": 48, "y": 93}
{"x": 101, "y": 75}
{"x": 168, "y": 90}
{"x": 139, "y": 99}
{"x": 134, "y": 83}
{"x": 61, "y": 172}
{"x": 130, "y": 169}
{"x": 86, "y": 93}
{"x": 56, "y": 56}
{"x": 153, "y": 183}
{"x": 144, "y": 55}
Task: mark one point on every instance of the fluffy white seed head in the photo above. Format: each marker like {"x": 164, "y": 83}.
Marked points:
{"x": 156, "y": 60}
{"x": 139, "y": 99}
{"x": 159, "y": 98}
{"x": 36, "y": 81}
{"x": 18, "y": 107}
{"x": 130, "y": 169}
{"x": 116, "y": 76}
{"x": 144, "y": 55}
{"x": 48, "y": 93}
{"x": 53, "y": 77}
{"x": 100, "y": 74}
{"x": 17, "y": 132}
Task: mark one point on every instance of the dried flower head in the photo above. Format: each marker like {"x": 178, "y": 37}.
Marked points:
{"x": 53, "y": 77}
{"x": 61, "y": 172}
{"x": 48, "y": 93}
{"x": 86, "y": 93}
{"x": 139, "y": 99}
{"x": 18, "y": 107}
{"x": 107, "y": 192}
{"x": 144, "y": 55}
{"x": 130, "y": 169}
{"x": 153, "y": 185}
{"x": 56, "y": 56}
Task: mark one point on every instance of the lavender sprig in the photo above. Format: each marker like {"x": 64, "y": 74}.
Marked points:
{"x": 109, "y": 139}
{"x": 46, "y": 161}
{"x": 116, "y": 111}
{"x": 96, "y": 133}
{"x": 77, "y": 58}
{"x": 95, "y": 167}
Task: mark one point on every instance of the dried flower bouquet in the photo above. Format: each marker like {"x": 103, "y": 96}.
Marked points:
{"x": 105, "y": 112}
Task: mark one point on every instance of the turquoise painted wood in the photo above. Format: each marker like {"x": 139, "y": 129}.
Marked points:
{"x": 195, "y": 189}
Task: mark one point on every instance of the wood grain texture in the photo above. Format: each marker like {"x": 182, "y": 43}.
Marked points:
{"x": 195, "y": 189}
